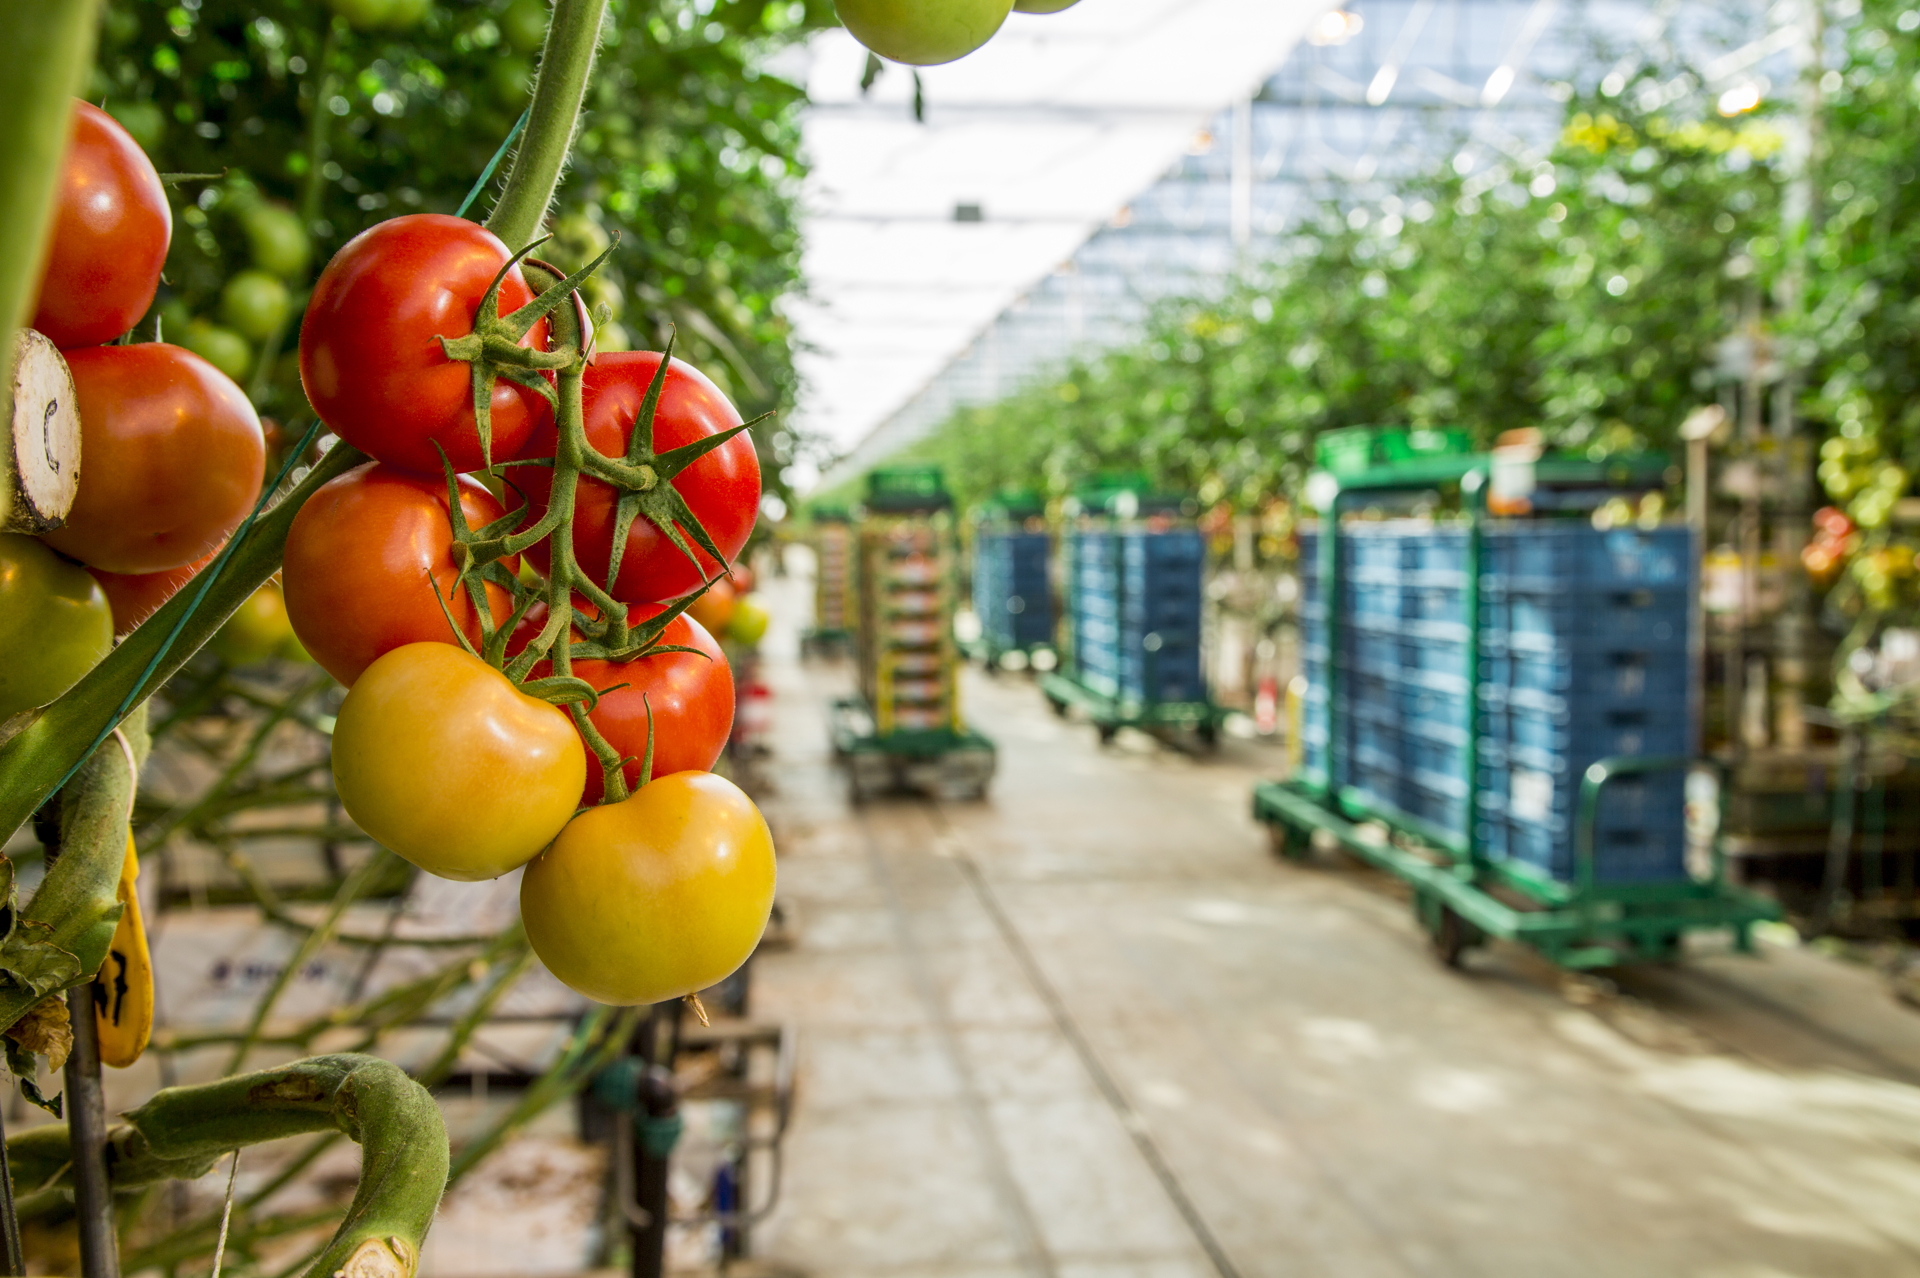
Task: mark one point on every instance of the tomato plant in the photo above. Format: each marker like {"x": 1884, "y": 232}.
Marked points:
{"x": 923, "y": 32}
{"x": 110, "y": 234}
{"x": 363, "y": 559}
{"x": 687, "y": 698}
{"x": 440, "y": 758}
{"x": 174, "y": 458}
{"x": 661, "y": 895}
{"x": 370, "y": 355}
{"x": 722, "y": 489}
{"x": 55, "y": 624}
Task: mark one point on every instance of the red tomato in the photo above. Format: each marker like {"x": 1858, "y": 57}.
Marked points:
{"x": 369, "y": 357}
{"x": 136, "y": 596}
{"x": 111, "y": 228}
{"x": 172, "y": 458}
{"x": 357, "y": 564}
{"x": 722, "y": 488}
{"x": 691, "y": 697}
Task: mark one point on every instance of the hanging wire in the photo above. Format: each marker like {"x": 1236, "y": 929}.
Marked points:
{"x": 226, "y": 1216}
{"x": 486, "y": 174}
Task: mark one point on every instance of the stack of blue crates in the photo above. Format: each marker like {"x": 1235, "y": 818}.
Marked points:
{"x": 1583, "y": 655}
{"x": 1011, "y": 595}
{"x": 1137, "y": 597}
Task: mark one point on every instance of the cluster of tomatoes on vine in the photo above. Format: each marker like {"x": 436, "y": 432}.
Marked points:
{"x": 503, "y": 587}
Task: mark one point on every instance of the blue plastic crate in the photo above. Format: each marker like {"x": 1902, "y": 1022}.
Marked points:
{"x": 1366, "y": 600}
{"x": 1650, "y": 617}
{"x": 1428, "y": 710}
{"x": 1573, "y": 740}
{"x": 1374, "y": 653}
{"x": 1373, "y": 546}
{"x": 1434, "y": 805}
{"x": 1600, "y": 677}
{"x": 1433, "y": 603}
{"x": 1438, "y": 550}
{"x": 1551, "y": 800}
{"x": 1441, "y": 766}
{"x": 1431, "y": 656}
{"x": 1624, "y": 856}
{"x": 1578, "y": 554}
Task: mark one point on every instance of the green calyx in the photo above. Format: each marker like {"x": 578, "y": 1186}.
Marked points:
{"x": 642, "y": 476}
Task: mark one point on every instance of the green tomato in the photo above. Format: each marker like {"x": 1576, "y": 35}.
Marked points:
{"x": 524, "y": 24}
{"x": 277, "y": 240}
{"x": 144, "y": 122}
{"x": 748, "y": 625}
{"x": 257, "y": 630}
{"x": 55, "y": 624}
{"x": 511, "y": 78}
{"x": 405, "y": 15}
{"x": 363, "y": 15}
{"x": 923, "y": 33}
{"x": 1042, "y": 6}
{"x": 255, "y": 304}
{"x": 223, "y": 348}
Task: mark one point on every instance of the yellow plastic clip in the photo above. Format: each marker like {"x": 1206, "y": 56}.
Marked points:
{"x": 123, "y": 988}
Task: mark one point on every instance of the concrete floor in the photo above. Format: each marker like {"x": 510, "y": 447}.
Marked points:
{"x": 1091, "y": 1028}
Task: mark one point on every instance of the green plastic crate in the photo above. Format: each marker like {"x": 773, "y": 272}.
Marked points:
{"x": 1414, "y": 445}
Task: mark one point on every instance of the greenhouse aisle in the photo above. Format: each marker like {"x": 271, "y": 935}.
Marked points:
{"x": 1091, "y": 1028}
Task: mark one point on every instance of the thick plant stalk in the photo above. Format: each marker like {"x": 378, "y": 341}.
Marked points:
{"x": 183, "y": 1131}
{"x": 566, "y": 63}
{"x": 33, "y": 761}
{"x": 64, "y": 932}
{"x": 49, "y": 48}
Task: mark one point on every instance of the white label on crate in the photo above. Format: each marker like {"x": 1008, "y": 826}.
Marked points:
{"x": 1532, "y": 796}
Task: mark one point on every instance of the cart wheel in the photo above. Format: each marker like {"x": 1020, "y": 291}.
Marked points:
{"x": 1209, "y": 735}
{"x": 1287, "y": 842}
{"x": 1451, "y": 936}
{"x": 1107, "y": 732}
{"x": 1059, "y": 707}
{"x": 856, "y": 793}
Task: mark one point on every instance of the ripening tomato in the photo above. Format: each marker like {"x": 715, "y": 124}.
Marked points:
{"x": 714, "y": 608}
{"x": 138, "y": 595}
{"x": 923, "y": 33}
{"x": 748, "y": 625}
{"x": 370, "y": 358}
{"x": 172, "y": 458}
{"x": 111, "y": 227}
{"x": 362, "y": 561}
{"x": 688, "y": 696}
{"x": 657, "y": 897}
{"x": 722, "y": 489}
{"x": 55, "y": 624}
{"x": 440, "y": 758}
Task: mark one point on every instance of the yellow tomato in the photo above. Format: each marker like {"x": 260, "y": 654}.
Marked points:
{"x": 441, "y": 758}
{"x": 656, "y": 897}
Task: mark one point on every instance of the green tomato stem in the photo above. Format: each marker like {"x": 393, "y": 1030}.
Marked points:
{"x": 184, "y": 1131}
{"x": 573, "y": 36}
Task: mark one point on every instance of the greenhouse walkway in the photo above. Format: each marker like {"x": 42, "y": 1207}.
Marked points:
{"x": 1091, "y": 1028}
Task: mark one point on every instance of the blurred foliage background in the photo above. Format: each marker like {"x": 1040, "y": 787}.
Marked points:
{"x": 1589, "y": 296}
{"x": 303, "y": 124}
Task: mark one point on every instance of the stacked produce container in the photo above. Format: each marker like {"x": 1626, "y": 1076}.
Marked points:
{"x": 833, "y": 599}
{"x": 905, "y": 645}
{"x": 1012, "y": 593}
{"x": 1581, "y": 637}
